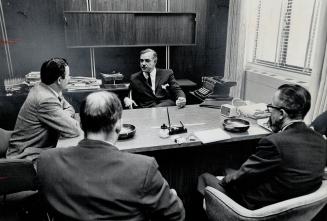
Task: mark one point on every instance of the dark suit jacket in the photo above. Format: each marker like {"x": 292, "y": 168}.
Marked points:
{"x": 285, "y": 165}
{"x": 96, "y": 181}
{"x": 40, "y": 122}
{"x": 320, "y": 123}
{"x": 143, "y": 94}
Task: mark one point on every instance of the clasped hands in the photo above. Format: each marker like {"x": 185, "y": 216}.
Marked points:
{"x": 180, "y": 102}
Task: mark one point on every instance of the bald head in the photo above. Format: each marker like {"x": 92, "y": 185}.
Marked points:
{"x": 99, "y": 112}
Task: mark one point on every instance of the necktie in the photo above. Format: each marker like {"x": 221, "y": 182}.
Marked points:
{"x": 149, "y": 80}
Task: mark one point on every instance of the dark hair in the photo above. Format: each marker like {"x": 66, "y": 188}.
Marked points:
{"x": 100, "y": 111}
{"x": 154, "y": 53}
{"x": 52, "y": 69}
{"x": 295, "y": 100}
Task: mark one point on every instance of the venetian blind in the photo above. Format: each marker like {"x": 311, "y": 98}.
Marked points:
{"x": 285, "y": 34}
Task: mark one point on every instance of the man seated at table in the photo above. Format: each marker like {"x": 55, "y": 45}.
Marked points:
{"x": 45, "y": 114}
{"x": 96, "y": 181}
{"x": 286, "y": 164}
{"x": 154, "y": 87}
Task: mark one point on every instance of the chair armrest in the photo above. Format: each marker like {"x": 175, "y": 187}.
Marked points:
{"x": 319, "y": 196}
{"x": 325, "y": 174}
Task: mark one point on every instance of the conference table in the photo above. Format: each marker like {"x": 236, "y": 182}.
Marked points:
{"x": 149, "y": 120}
{"x": 182, "y": 163}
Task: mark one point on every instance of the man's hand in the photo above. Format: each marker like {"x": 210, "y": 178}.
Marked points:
{"x": 129, "y": 102}
{"x": 173, "y": 191}
{"x": 181, "y": 102}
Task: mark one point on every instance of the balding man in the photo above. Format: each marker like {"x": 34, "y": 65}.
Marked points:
{"x": 96, "y": 181}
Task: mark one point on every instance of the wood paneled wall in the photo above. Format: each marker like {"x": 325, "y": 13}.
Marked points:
{"x": 4, "y": 71}
{"x": 128, "y": 5}
{"x": 189, "y": 62}
{"x": 38, "y": 28}
{"x": 108, "y": 29}
{"x": 125, "y": 60}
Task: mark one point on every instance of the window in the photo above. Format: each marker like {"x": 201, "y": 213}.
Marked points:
{"x": 282, "y": 33}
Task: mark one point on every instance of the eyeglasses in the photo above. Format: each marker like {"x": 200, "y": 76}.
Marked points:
{"x": 269, "y": 106}
{"x": 272, "y": 106}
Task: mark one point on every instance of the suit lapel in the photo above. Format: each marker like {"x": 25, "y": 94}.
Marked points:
{"x": 144, "y": 82}
{"x": 158, "y": 78}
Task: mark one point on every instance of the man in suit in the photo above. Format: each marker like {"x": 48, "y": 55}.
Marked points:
{"x": 286, "y": 164}
{"x": 320, "y": 124}
{"x": 45, "y": 114}
{"x": 96, "y": 181}
{"x": 154, "y": 87}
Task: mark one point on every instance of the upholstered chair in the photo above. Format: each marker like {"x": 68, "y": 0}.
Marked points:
{"x": 220, "y": 207}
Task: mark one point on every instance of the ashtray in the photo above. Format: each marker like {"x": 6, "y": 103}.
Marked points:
{"x": 127, "y": 131}
{"x": 236, "y": 125}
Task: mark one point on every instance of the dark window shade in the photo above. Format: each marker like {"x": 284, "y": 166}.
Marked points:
{"x": 111, "y": 29}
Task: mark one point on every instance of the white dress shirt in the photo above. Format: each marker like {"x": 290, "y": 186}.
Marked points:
{"x": 153, "y": 78}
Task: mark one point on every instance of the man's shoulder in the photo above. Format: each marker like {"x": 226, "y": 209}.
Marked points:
{"x": 41, "y": 92}
{"x": 164, "y": 71}
{"x": 299, "y": 132}
{"x": 136, "y": 75}
{"x": 50, "y": 153}
{"x": 138, "y": 160}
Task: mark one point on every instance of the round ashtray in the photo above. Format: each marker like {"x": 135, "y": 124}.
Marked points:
{"x": 127, "y": 131}
{"x": 236, "y": 125}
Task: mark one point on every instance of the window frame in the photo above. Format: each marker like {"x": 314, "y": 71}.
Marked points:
{"x": 279, "y": 62}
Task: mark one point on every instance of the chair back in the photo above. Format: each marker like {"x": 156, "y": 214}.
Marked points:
{"x": 16, "y": 175}
{"x": 220, "y": 207}
{"x": 4, "y": 141}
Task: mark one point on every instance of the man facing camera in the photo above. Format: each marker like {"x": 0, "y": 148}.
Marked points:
{"x": 45, "y": 114}
{"x": 286, "y": 164}
{"x": 154, "y": 87}
{"x": 96, "y": 181}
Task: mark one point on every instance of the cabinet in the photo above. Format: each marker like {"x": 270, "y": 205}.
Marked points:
{"x": 116, "y": 29}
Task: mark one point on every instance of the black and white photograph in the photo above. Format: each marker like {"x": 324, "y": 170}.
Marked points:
{"x": 163, "y": 110}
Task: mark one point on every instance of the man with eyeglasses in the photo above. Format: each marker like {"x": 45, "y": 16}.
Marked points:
{"x": 286, "y": 164}
{"x": 154, "y": 87}
{"x": 45, "y": 114}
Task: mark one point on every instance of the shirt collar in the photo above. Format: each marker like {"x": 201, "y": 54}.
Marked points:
{"x": 51, "y": 89}
{"x": 152, "y": 74}
{"x": 290, "y": 123}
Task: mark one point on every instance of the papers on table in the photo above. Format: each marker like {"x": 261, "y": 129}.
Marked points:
{"x": 213, "y": 135}
{"x": 264, "y": 123}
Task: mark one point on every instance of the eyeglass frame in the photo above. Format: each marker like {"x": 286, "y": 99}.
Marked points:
{"x": 278, "y": 108}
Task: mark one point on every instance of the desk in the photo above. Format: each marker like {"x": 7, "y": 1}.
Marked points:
{"x": 182, "y": 164}
{"x": 148, "y": 121}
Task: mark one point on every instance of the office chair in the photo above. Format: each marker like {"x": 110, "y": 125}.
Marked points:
{"x": 16, "y": 175}
{"x": 4, "y": 141}
{"x": 18, "y": 190}
{"x": 220, "y": 207}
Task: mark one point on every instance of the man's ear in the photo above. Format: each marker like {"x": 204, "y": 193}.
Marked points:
{"x": 118, "y": 126}
{"x": 283, "y": 113}
{"x": 59, "y": 80}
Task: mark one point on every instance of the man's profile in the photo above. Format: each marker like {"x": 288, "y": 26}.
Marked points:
{"x": 96, "y": 181}
{"x": 286, "y": 164}
{"x": 45, "y": 114}
{"x": 154, "y": 87}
